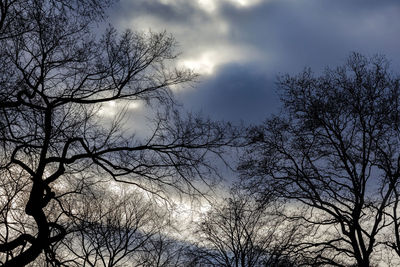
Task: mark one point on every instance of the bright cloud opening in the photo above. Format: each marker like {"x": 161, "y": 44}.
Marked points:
{"x": 211, "y": 6}
{"x": 202, "y": 65}
{"x": 245, "y": 3}
{"x": 208, "y": 61}
{"x": 112, "y": 108}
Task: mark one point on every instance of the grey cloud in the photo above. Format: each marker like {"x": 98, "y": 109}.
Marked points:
{"x": 294, "y": 34}
{"x": 184, "y": 12}
{"x": 236, "y": 93}
{"x": 288, "y": 35}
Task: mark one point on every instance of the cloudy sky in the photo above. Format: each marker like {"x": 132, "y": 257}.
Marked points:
{"x": 240, "y": 46}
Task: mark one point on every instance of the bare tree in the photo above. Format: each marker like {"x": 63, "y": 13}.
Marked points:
{"x": 334, "y": 149}
{"x": 162, "y": 250}
{"x": 392, "y": 237}
{"x": 55, "y": 76}
{"x": 14, "y": 191}
{"x": 242, "y": 232}
{"x": 112, "y": 230}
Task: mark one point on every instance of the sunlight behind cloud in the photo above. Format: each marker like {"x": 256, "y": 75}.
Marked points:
{"x": 212, "y": 6}
{"x": 202, "y": 65}
{"x": 209, "y": 6}
{"x": 245, "y": 3}
{"x": 207, "y": 62}
{"x": 112, "y": 108}
{"x": 204, "y": 36}
{"x": 203, "y": 55}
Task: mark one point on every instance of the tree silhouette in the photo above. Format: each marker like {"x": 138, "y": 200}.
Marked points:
{"x": 334, "y": 149}
{"x": 242, "y": 232}
{"x": 112, "y": 230}
{"x": 55, "y": 78}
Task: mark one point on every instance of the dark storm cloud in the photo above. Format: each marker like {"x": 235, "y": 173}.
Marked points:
{"x": 181, "y": 12}
{"x": 316, "y": 33}
{"x": 235, "y": 93}
{"x": 251, "y": 45}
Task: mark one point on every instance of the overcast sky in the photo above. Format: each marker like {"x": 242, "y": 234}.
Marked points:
{"x": 241, "y": 46}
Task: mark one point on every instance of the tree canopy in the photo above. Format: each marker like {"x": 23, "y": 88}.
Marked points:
{"x": 55, "y": 77}
{"x": 334, "y": 149}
